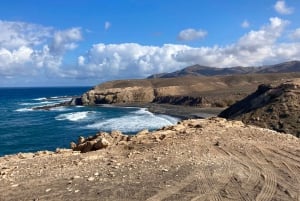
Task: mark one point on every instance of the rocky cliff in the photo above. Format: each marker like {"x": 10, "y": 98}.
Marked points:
{"x": 134, "y": 94}
{"x": 274, "y": 107}
{"x": 217, "y": 91}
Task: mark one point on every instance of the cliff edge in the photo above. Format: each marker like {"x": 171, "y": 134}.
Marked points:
{"x": 275, "y": 107}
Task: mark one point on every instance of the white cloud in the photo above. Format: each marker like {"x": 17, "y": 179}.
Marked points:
{"x": 257, "y": 47}
{"x": 282, "y": 8}
{"x": 245, "y": 24}
{"x": 191, "y": 34}
{"x": 16, "y": 34}
{"x": 129, "y": 59}
{"x": 31, "y": 49}
{"x": 296, "y": 34}
{"x": 267, "y": 35}
{"x": 65, "y": 40}
{"x": 107, "y": 25}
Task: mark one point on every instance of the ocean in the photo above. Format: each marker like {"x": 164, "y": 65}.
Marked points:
{"x": 23, "y": 129}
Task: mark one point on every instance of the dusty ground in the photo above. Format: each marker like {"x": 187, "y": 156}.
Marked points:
{"x": 195, "y": 160}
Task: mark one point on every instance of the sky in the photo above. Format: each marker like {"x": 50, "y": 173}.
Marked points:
{"x": 87, "y": 42}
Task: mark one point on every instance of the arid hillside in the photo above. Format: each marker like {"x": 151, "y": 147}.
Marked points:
{"x": 276, "y": 107}
{"x": 198, "y": 70}
{"x": 216, "y": 91}
{"x": 201, "y": 159}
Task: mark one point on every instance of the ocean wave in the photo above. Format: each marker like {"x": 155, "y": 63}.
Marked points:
{"x": 24, "y": 110}
{"x": 142, "y": 111}
{"x": 75, "y": 116}
{"x": 40, "y": 99}
{"x": 134, "y": 123}
{"x": 60, "y": 109}
{"x": 28, "y": 104}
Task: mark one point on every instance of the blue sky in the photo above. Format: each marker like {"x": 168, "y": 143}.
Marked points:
{"x": 55, "y": 43}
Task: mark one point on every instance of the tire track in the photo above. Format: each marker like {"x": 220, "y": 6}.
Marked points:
{"x": 296, "y": 177}
{"x": 166, "y": 192}
{"x": 269, "y": 187}
{"x": 270, "y": 182}
{"x": 205, "y": 178}
{"x": 291, "y": 166}
{"x": 286, "y": 155}
{"x": 253, "y": 171}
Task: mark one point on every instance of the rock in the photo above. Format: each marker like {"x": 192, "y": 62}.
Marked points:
{"x": 48, "y": 190}
{"x": 91, "y": 179}
{"x": 81, "y": 140}
{"x": 102, "y": 143}
{"x": 73, "y": 145}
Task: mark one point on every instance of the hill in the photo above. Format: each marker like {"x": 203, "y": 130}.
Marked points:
{"x": 198, "y": 70}
{"x": 215, "y": 91}
{"x": 275, "y": 107}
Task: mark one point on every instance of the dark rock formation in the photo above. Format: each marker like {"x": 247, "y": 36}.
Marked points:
{"x": 277, "y": 108}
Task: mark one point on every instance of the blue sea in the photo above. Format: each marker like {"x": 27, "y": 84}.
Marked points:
{"x": 23, "y": 129}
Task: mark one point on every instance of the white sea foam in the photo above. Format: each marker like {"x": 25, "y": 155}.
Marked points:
{"x": 75, "y": 116}
{"x": 142, "y": 111}
{"x": 40, "y": 99}
{"x": 136, "y": 121}
{"x": 60, "y": 109}
{"x": 24, "y": 110}
{"x": 28, "y": 104}
{"x": 46, "y": 102}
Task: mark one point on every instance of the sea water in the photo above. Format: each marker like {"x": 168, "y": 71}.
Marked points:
{"x": 23, "y": 129}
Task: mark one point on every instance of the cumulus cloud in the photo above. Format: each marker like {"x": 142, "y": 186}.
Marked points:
{"x": 129, "y": 59}
{"x": 107, "y": 25}
{"x": 257, "y": 47}
{"x": 17, "y": 34}
{"x": 31, "y": 49}
{"x": 191, "y": 34}
{"x": 282, "y": 8}
{"x": 245, "y": 24}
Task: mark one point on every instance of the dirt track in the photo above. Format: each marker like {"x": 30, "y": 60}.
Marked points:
{"x": 195, "y": 160}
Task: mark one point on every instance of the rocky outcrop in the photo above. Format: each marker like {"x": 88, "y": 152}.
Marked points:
{"x": 118, "y": 95}
{"x": 274, "y": 107}
{"x": 99, "y": 141}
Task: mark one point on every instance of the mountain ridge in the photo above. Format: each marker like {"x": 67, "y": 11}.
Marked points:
{"x": 200, "y": 70}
